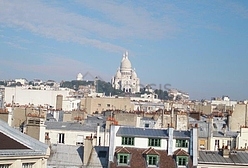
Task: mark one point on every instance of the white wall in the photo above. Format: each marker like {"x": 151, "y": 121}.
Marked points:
{"x": 37, "y": 97}
{"x": 242, "y": 139}
{"x": 71, "y": 104}
{"x": 70, "y": 137}
{"x": 222, "y": 140}
{"x": 141, "y": 143}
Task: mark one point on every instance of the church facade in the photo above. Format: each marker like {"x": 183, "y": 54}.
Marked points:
{"x": 126, "y": 78}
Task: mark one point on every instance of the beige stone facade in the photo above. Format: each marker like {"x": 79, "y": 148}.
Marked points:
{"x": 99, "y": 104}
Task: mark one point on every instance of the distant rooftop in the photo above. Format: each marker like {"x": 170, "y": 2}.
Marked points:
{"x": 215, "y": 157}
{"x": 90, "y": 124}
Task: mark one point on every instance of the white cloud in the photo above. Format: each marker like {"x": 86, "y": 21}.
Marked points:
{"x": 123, "y": 22}
{"x": 134, "y": 21}
{"x": 51, "y": 22}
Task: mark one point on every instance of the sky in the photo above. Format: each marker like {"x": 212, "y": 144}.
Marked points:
{"x": 199, "y": 47}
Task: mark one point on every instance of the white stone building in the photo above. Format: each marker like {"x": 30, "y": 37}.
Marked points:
{"x": 156, "y": 145}
{"x": 126, "y": 78}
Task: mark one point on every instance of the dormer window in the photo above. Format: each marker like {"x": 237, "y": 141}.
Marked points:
{"x": 123, "y": 158}
{"x": 152, "y": 160}
{"x": 152, "y": 157}
{"x": 181, "y": 157}
{"x": 182, "y": 160}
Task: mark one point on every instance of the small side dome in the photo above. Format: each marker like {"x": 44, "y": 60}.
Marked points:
{"x": 118, "y": 74}
{"x": 134, "y": 75}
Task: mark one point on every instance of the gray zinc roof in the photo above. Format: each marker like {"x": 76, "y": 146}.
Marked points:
{"x": 142, "y": 132}
{"x": 229, "y": 134}
{"x": 35, "y": 147}
{"x": 215, "y": 157}
{"x": 181, "y": 134}
{"x": 90, "y": 124}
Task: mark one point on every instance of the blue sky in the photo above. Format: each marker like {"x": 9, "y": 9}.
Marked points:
{"x": 200, "y": 47}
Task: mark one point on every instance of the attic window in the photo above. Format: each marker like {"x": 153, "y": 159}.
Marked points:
{"x": 182, "y": 160}
{"x": 123, "y": 159}
{"x": 152, "y": 159}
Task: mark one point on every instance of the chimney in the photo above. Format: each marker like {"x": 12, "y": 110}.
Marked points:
{"x": 170, "y": 141}
{"x": 97, "y": 135}
{"x": 88, "y": 146}
{"x": 194, "y": 145}
{"x": 225, "y": 152}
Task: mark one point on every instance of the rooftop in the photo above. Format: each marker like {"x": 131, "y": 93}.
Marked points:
{"x": 90, "y": 124}
{"x": 24, "y": 144}
{"x": 215, "y": 157}
{"x": 149, "y": 132}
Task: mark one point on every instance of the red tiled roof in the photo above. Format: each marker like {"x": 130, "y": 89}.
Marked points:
{"x": 180, "y": 152}
{"x": 137, "y": 159}
{"x": 150, "y": 151}
{"x": 121, "y": 150}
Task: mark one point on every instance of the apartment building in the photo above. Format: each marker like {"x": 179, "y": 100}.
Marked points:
{"x": 19, "y": 150}
{"x": 145, "y": 147}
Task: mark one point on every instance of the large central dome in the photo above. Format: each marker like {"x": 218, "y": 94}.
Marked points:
{"x": 125, "y": 63}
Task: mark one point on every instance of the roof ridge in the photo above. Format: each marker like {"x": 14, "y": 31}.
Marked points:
{"x": 149, "y": 150}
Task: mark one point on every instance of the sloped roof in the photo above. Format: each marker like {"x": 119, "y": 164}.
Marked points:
{"x": 180, "y": 152}
{"x": 90, "y": 124}
{"x": 150, "y": 151}
{"x": 138, "y": 160}
{"x": 31, "y": 145}
{"x": 215, "y": 157}
{"x": 121, "y": 150}
{"x": 142, "y": 132}
{"x": 181, "y": 134}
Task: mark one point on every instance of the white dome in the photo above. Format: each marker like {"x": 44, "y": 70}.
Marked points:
{"x": 125, "y": 63}
{"x": 79, "y": 76}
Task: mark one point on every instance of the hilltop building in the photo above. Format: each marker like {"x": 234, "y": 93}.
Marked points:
{"x": 126, "y": 78}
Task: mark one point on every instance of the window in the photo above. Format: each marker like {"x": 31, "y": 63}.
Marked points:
{"x": 229, "y": 143}
{"x": 108, "y": 105}
{"x": 182, "y": 160}
{"x": 61, "y": 138}
{"x": 80, "y": 140}
{"x": 123, "y": 158}
{"x": 181, "y": 143}
{"x": 5, "y": 165}
{"x": 27, "y": 165}
{"x": 152, "y": 159}
{"x": 202, "y": 144}
{"x": 154, "y": 142}
{"x": 146, "y": 125}
{"x": 127, "y": 140}
{"x": 217, "y": 143}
